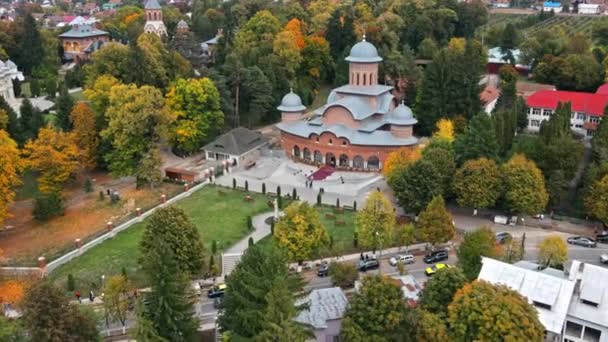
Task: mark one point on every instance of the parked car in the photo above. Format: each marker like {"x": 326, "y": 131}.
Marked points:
{"x": 604, "y": 258}
{"x": 370, "y": 264}
{"x": 502, "y": 237}
{"x": 436, "y": 256}
{"x": 582, "y": 241}
{"x": 217, "y": 302}
{"x": 513, "y": 221}
{"x": 217, "y": 291}
{"x": 402, "y": 258}
{"x": 602, "y": 237}
{"x": 501, "y": 219}
{"x": 323, "y": 270}
{"x": 429, "y": 271}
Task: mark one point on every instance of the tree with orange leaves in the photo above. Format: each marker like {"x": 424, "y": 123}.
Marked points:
{"x": 55, "y": 155}
{"x": 85, "y": 133}
{"x": 399, "y": 159}
{"x": 12, "y": 292}
{"x": 295, "y": 26}
{"x": 10, "y": 166}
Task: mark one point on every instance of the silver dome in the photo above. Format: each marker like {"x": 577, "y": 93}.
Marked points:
{"x": 364, "y": 52}
{"x": 291, "y": 103}
{"x": 402, "y": 115}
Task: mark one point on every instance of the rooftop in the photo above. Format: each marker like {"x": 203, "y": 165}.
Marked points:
{"x": 83, "y": 31}
{"x": 236, "y": 142}
{"x": 152, "y": 4}
{"x": 590, "y": 103}
{"x": 590, "y": 299}
{"x": 323, "y": 305}
{"x": 363, "y": 52}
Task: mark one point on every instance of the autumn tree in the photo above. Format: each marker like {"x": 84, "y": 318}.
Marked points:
{"x": 477, "y": 141}
{"x": 12, "y": 292}
{"x": 111, "y": 62}
{"x": 375, "y": 222}
{"x": 477, "y": 184}
{"x": 552, "y": 251}
{"x": 405, "y": 235}
{"x": 385, "y": 300}
{"x": 435, "y": 223}
{"x": 194, "y": 107}
{"x": 472, "y": 315}
{"x": 430, "y": 328}
{"x": 399, "y": 159}
{"x": 445, "y": 130}
{"x": 136, "y": 123}
{"x": 440, "y": 154}
{"x": 55, "y": 155}
{"x": 440, "y": 290}
{"x": 10, "y": 167}
{"x": 524, "y": 184}
{"x": 116, "y": 298}
{"x": 596, "y": 200}
{"x": 98, "y": 93}
{"x": 82, "y": 120}
{"x": 300, "y": 231}
{"x": 476, "y": 244}
{"x": 172, "y": 226}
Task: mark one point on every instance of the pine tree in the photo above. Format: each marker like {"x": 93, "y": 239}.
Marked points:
{"x": 436, "y": 92}
{"x": 30, "y": 51}
{"x": 14, "y": 125}
{"x": 477, "y": 141}
{"x": 505, "y": 124}
{"x": 144, "y": 329}
{"x": 558, "y": 126}
{"x": 63, "y": 108}
{"x": 30, "y": 121}
{"x": 599, "y": 143}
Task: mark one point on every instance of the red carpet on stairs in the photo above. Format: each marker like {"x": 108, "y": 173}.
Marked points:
{"x": 323, "y": 172}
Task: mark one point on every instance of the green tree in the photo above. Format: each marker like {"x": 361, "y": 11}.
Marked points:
{"x": 144, "y": 330}
{"x": 477, "y": 141}
{"x": 194, "y": 105}
{"x": 440, "y": 290}
{"x": 505, "y": 126}
{"x": 596, "y": 200}
{"x": 435, "y": 223}
{"x": 300, "y": 231}
{"x": 246, "y": 302}
{"x": 524, "y": 186}
{"x": 405, "y": 235}
{"x": 170, "y": 303}
{"x": 136, "y": 123}
{"x": 116, "y": 298}
{"x": 48, "y": 316}
{"x": 416, "y": 185}
{"x": 441, "y": 155}
{"x": 172, "y": 226}
{"x": 477, "y": 184}
{"x": 30, "y": 120}
{"x": 558, "y": 126}
{"x": 11, "y": 330}
{"x": 385, "y": 300}
{"x": 29, "y": 51}
{"x": 375, "y": 222}
{"x": 472, "y": 315}
{"x": 340, "y": 32}
{"x": 63, "y": 107}
{"x": 430, "y": 328}
{"x": 599, "y": 143}
{"x": 13, "y": 126}
{"x": 552, "y": 251}
{"x": 111, "y": 61}
{"x": 343, "y": 274}
{"x": 476, "y": 244}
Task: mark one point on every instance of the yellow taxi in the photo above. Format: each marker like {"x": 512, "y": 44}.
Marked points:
{"x": 429, "y": 271}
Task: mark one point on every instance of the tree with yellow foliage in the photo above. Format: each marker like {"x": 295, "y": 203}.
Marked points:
{"x": 552, "y": 251}
{"x": 400, "y": 159}
{"x": 10, "y": 166}
{"x": 375, "y": 222}
{"x": 85, "y": 133}
{"x": 12, "y": 292}
{"x": 55, "y": 155}
{"x": 300, "y": 231}
{"x": 445, "y": 130}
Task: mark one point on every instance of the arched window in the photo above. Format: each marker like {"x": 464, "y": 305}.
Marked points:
{"x": 358, "y": 162}
{"x": 330, "y": 159}
{"x": 306, "y": 153}
{"x": 373, "y": 163}
{"x": 296, "y": 151}
{"x": 357, "y": 78}
{"x": 331, "y": 141}
{"x": 318, "y": 157}
{"x": 343, "y": 160}
{"x": 370, "y": 79}
{"x": 364, "y": 79}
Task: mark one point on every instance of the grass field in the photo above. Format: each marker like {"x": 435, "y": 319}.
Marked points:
{"x": 570, "y": 25}
{"x": 220, "y": 218}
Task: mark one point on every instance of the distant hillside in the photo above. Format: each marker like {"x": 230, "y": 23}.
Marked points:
{"x": 529, "y": 23}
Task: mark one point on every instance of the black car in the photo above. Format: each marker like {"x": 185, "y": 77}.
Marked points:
{"x": 323, "y": 270}
{"x": 217, "y": 291}
{"x": 602, "y": 237}
{"x": 582, "y": 241}
{"x": 503, "y": 237}
{"x": 370, "y": 264}
{"x": 436, "y": 256}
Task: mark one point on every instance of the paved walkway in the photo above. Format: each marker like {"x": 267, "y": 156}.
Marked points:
{"x": 261, "y": 230}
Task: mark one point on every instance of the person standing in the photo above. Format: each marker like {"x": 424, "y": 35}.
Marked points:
{"x": 77, "y": 294}
{"x": 91, "y": 296}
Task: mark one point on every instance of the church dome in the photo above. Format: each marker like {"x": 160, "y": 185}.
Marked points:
{"x": 363, "y": 52}
{"x": 401, "y": 115}
{"x": 182, "y": 25}
{"x": 291, "y": 103}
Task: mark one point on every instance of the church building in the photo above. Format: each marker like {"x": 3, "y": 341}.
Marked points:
{"x": 357, "y": 128}
{"x": 154, "y": 18}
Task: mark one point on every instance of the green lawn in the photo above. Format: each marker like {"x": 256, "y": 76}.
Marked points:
{"x": 218, "y": 217}
{"x": 29, "y": 186}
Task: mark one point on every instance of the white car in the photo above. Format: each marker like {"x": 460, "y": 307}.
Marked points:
{"x": 402, "y": 258}
{"x": 604, "y": 258}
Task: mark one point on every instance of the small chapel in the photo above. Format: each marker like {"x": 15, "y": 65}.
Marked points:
{"x": 154, "y": 18}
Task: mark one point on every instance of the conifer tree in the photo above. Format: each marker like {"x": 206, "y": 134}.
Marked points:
{"x": 30, "y": 52}
{"x": 558, "y": 126}
{"x": 13, "y": 126}
{"x": 477, "y": 141}
{"x": 30, "y": 121}
{"x": 63, "y": 108}
{"x": 599, "y": 143}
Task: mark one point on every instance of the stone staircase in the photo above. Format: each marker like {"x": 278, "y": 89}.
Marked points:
{"x": 229, "y": 262}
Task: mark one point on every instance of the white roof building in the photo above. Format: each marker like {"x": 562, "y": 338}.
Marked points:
{"x": 326, "y": 307}
{"x": 8, "y": 73}
{"x": 549, "y": 291}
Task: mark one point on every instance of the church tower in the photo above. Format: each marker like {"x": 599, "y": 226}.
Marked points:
{"x": 154, "y": 18}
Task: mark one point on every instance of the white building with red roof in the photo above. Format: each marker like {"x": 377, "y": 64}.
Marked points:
{"x": 587, "y": 108}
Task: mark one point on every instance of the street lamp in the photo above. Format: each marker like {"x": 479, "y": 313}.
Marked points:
{"x": 379, "y": 253}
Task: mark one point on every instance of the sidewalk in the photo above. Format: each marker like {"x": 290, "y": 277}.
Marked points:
{"x": 261, "y": 230}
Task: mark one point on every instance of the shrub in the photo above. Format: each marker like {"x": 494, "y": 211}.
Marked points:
{"x": 355, "y": 240}
{"x": 337, "y": 202}
{"x": 233, "y": 183}
{"x": 246, "y": 186}
{"x": 355, "y": 206}
{"x": 319, "y": 198}
{"x": 88, "y": 186}
{"x": 35, "y": 87}
{"x": 278, "y": 191}
{"x": 294, "y": 194}
{"x": 50, "y": 85}
{"x": 263, "y": 188}
{"x": 272, "y": 227}
{"x": 102, "y": 196}
{"x": 250, "y": 241}
{"x": 71, "y": 282}
{"x": 214, "y": 247}
{"x": 123, "y": 272}
{"x": 331, "y": 242}
{"x": 343, "y": 274}
{"x": 48, "y": 206}
{"x": 249, "y": 222}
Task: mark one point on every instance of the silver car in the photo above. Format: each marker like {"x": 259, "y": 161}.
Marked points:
{"x": 582, "y": 241}
{"x": 402, "y": 258}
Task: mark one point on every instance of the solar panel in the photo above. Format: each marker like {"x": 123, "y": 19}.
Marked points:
{"x": 546, "y": 290}
{"x": 593, "y": 285}
{"x": 511, "y": 277}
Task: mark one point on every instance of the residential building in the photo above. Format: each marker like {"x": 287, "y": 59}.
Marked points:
{"x": 359, "y": 125}
{"x": 154, "y": 18}
{"x": 497, "y": 58}
{"x": 549, "y": 6}
{"x": 588, "y": 8}
{"x": 410, "y": 287}
{"x": 81, "y": 41}
{"x": 8, "y": 73}
{"x": 323, "y": 313}
{"x": 240, "y": 146}
{"x": 549, "y": 290}
{"x": 587, "y": 108}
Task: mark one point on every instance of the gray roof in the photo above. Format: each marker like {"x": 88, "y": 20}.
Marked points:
{"x": 83, "y": 31}
{"x": 236, "y": 142}
{"x": 374, "y": 90}
{"x": 291, "y": 103}
{"x": 401, "y": 115}
{"x": 323, "y": 305}
{"x": 152, "y": 4}
{"x": 592, "y": 289}
{"x": 363, "y": 52}
{"x": 182, "y": 24}
{"x": 354, "y": 136}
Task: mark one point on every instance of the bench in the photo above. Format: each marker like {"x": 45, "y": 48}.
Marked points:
{"x": 241, "y": 188}
{"x": 221, "y": 193}
{"x": 271, "y": 194}
{"x": 330, "y": 216}
{"x": 348, "y": 207}
{"x": 338, "y": 210}
{"x": 339, "y": 223}
{"x": 249, "y": 165}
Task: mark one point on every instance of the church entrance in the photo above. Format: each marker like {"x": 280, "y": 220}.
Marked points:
{"x": 330, "y": 159}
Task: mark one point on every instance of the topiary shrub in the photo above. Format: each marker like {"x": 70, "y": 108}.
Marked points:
{"x": 319, "y": 198}
{"x": 48, "y": 206}
{"x": 263, "y": 188}
{"x": 71, "y": 282}
{"x": 233, "y": 183}
{"x": 246, "y": 186}
{"x": 338, "y": 203}
{"x": 88, "y": 186}
{"x": 294, "y": 194}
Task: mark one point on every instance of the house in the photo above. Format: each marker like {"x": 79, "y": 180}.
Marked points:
{"x": 587, "y": 318}
{"x": 549, "y": 291}
{"x": 549, "y": 6}
{"x": 497, "y": 58}
{"x": 588, "y": 9}
{"x": 324, "y": 312}
{"x": 8, "y": 73}
{"x": 240, "y": 146}
{"x": 410, "y": 287}
{"x": 501, "y": 4}
{"x": 81, "y": 41}
{"x": 587, "y": 108}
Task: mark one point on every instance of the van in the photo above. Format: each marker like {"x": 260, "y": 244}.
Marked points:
{"x": 501, "y": 219}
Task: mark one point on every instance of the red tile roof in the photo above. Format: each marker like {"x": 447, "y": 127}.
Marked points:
{"x": 589, "y": 103}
